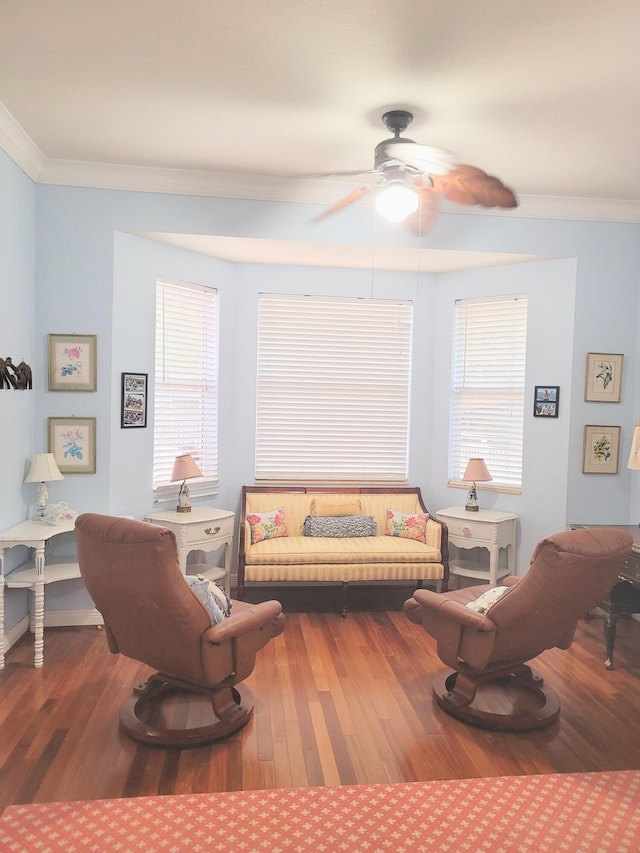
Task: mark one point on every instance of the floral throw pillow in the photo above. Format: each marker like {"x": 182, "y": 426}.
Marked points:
{"x": 407, "y": 526}
{"x": 267, "y": 525}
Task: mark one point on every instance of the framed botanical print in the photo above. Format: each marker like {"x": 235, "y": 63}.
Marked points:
{"x": 134, "y": 400}
{"x": 72, "y": 362}
{"x": 73, "y": 444}
{"x": 603, "y": 383}
{"x": 601, "y": 449}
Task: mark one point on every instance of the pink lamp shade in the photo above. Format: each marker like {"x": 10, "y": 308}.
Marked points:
{"x": 476, "y": 472}
{"x": 184, "y": 468}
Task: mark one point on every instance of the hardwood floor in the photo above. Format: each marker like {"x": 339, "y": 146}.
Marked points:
{"x": 337, "y": 702}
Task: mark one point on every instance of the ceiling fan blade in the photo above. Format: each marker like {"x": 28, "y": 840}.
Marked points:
{"x": 353, "y": 196}
{"x": 350, "y": 174}
{"x": 424, "y": 217}
{"x": 424, "y": 158}
{"x": 470, "y": 185}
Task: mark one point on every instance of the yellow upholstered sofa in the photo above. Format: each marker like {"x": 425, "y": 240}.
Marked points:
{"x": 282, "y": 541}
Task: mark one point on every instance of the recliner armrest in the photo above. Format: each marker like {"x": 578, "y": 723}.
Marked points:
{"x": 249, "y": 619}
{"x": 439, "y": 604}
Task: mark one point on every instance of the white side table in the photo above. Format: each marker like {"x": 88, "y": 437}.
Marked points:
{"x": 202, "y": 529}
{"x": 487, "y": 529}
{"x": 34, "y": 575}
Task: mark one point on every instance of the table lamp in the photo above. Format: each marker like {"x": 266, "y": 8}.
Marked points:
{"x": 476, "y": 472}
{"x": 634, "y": 455}
{"x": 184, "y": 468}
{"x": 43, "y": 470}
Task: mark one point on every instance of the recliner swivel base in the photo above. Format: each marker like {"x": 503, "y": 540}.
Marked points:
{"x": 142, "y": 712}
{"x": 513, "y": 699}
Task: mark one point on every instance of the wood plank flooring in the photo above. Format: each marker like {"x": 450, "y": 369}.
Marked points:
{"x": 337, "y": 702}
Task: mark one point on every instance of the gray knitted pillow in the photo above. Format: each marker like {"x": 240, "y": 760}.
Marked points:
{"x": 344, "y": 526}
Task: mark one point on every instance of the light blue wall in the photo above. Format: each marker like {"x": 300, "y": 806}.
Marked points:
{"x": 94, "y": 276}
{"x": 17, "y": 260}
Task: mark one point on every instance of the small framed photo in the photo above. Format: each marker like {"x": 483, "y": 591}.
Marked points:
{"x": 72, "y": 362}
{"x": 73, "y": 444}
{"x": 601, "y": 449}
{"x": 603, "y": 382}
{"x": 546, "y": 399}
{"x": 134, "y": 400}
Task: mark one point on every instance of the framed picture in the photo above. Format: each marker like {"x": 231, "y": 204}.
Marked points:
{"x": 601, "y": 449}
{"x": 72, "y": 362}
{"x": 604, "y": 377}
{"x": 546, "y": 399}
{"x": 134, "y": 400}
{"x": 73, "y": 444}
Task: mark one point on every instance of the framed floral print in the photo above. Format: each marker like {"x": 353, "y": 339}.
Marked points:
{"x": 73, "y": 444}
{"x": 72, "y": 362}
{"x": 134, "y": 400}
{"x": 601, "y": 449}
{"x": 603, "y": 382}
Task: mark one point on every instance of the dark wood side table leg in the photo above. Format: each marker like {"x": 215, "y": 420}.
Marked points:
{"x": 610, "y": 620}
{"x": 624, "y": 598}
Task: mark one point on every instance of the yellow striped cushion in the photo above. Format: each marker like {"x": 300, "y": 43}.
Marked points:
{"x": 300, "y": 550}
{"x": 344, "y": 573}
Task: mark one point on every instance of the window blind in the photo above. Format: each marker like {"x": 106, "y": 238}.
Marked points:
{"x": 332, "y": 391}
{"x": 488, "y": 388}
{"x": 186, "y": 385}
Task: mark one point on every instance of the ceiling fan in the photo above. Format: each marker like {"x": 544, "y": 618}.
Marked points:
{"x": 410, "y": 178}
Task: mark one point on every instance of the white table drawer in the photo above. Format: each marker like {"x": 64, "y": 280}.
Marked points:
{"x": 469, "y": 529}
{"x": 204, "y": 531}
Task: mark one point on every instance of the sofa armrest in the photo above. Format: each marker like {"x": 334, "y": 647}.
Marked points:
{"x": 435, "y": 532}
{"x": 437, "y": 535}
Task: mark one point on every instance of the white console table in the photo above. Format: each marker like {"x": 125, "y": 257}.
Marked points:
{"x": 202, "y": 529}
{"x": 34, "y": 575}
{"x": 487, "y": 529}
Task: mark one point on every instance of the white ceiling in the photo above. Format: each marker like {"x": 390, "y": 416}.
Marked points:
{"x": 239, "y": 98}
{"x": 252, "y": 250}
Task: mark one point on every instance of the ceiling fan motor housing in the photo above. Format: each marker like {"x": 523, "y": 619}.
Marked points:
{"x": 397, "y": 121}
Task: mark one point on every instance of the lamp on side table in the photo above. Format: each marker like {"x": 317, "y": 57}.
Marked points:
{"x": 43, "y": 470}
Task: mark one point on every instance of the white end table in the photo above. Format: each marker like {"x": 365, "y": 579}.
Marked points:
{"x": 486, "y": 528}
{"x": 34, "y": 575}
{"x": 202, "y": 529}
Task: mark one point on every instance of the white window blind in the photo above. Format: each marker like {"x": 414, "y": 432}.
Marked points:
{"x": 332, "y": 389}
{"x": 186, "y": 385}
{"x": 488, "y": 388}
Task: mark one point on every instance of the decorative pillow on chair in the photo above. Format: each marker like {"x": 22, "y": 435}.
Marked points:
{"x": 267, "y": 525}
{"x": 485, "y": 601}
{"x": 407, "y": 526}
{"x": 211, "y": 595}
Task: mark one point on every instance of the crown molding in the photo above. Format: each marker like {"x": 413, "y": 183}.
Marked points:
{"x": 26, "y": 154}
{"x": 19, "y": 146}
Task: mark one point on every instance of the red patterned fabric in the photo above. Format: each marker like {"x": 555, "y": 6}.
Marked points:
{"x": 571, "y": 812}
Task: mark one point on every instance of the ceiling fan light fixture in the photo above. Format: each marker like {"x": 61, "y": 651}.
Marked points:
{"x": 395, "y": 201}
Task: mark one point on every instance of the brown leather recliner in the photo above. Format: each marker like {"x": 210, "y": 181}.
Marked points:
{"x": 570, "y": 573}
{"x": 131, "y": 571}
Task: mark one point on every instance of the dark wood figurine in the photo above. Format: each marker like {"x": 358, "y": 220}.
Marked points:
{"x": 15, "y": 376}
